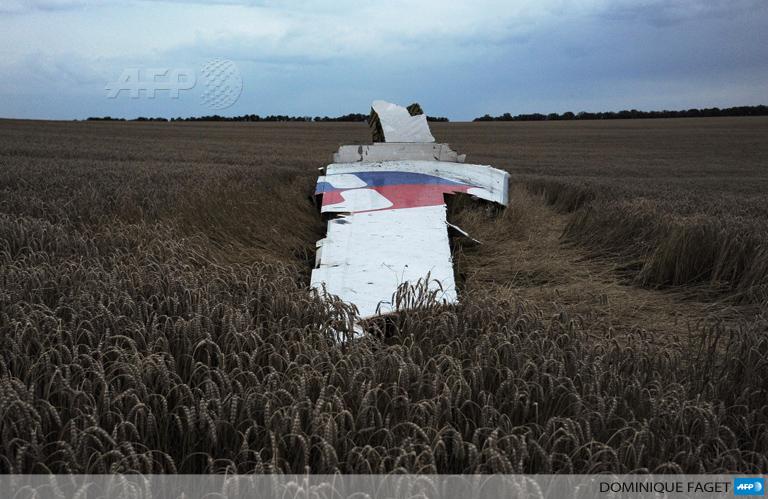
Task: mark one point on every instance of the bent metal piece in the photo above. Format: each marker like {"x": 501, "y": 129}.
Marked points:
{"x": 396, "y": 123}
{"x": 390, "y": 226}
{"x": 392, "y": 151}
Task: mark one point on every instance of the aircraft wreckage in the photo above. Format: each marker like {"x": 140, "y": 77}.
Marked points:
{"x": 388, "y": 222}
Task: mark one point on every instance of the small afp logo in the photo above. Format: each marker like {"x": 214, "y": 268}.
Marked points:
{"x": 223, "y": 83}
{"x": 748, "y": 487}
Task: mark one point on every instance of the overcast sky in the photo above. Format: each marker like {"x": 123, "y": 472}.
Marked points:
{"x": 458, "y": 59}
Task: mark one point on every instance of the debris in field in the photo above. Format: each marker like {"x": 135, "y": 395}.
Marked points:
{"x": 393, "y": 123}
{"x": 390, "y": 225}
{"x": 397, "y": 151}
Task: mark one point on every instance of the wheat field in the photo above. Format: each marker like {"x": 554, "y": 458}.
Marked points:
{"x": 155, "y": 315}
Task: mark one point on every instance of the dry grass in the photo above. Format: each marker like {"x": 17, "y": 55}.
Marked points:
{"x": 155, "y": 317}
{"x": 522, "y": 257}
{"x": 673, "y": 203}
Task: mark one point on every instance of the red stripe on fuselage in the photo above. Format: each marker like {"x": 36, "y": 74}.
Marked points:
{"x": 404, "y": 195}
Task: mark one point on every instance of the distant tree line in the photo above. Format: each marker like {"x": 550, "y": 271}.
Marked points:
{"x": 352, "y": 117}
{"x": 632, "y": 114}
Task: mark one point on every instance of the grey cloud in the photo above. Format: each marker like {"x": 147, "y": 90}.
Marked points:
{"x": 25, "y": 6}
{"x": 62, "y": 72}
{"x": 305, "y": 58}
{"x": 671, "y": 12}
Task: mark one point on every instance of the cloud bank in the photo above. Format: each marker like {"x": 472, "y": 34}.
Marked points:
{"x": 461, "y": 59}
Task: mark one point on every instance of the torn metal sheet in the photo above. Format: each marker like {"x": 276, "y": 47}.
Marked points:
{"x": 383, "y": 151}
{"x": 398, "y": 125}
{"x": 485, "y": 182}
{"x": 392, "y": 227}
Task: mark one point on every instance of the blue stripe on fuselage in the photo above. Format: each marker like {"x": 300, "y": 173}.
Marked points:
{"x": 381, "y": 179}
{"x": 323, "y": 187}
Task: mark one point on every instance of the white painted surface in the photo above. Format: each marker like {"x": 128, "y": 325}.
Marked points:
{"x": 393, "y": 151}
{"x": 358, "y": 200}
{"x": 366, "y": 256}
{"x": 399, "y": 126}
{"x": 342, "y": 180}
